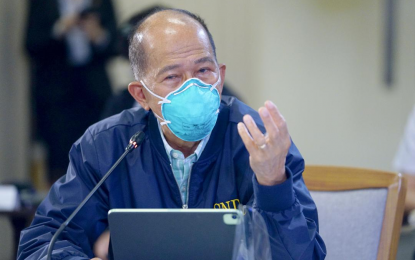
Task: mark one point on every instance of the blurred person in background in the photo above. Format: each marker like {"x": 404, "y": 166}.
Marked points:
{"x": 69, "y": 43}
{"x": 405, "y": 161}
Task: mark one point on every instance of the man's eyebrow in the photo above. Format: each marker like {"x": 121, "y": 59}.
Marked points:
{"x": 205, "y": 59}
{"x": 175, "y": 66}
{"x": 167, "y": 68}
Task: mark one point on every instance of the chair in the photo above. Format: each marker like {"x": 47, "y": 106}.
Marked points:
{"x": 360, "y": 210}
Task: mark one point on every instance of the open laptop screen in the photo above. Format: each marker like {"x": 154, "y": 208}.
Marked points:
{"x": 173, "y": 233}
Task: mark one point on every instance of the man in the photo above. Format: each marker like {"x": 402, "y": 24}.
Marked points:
{"x": 197, "y": 153}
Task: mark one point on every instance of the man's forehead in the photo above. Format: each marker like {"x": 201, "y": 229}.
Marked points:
{"x": 167, "y": 20}
{"x": 169, "y": 31}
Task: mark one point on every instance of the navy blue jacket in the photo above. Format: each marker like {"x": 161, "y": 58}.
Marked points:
{"x": 221, "y": 178}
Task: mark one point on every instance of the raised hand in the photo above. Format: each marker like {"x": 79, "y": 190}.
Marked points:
{"x": 267, "y": 151}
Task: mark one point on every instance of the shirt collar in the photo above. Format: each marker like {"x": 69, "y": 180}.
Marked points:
{"x": 169, "y": 149}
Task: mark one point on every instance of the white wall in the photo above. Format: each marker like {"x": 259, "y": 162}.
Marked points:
{"x": 321, "y": 62}
{"x": 13, "y": 94}
{"x": 13, "y": 108}
{"x": 327, "y": 65}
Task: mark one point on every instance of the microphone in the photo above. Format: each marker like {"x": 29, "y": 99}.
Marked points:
{"x": 135, "y": 141}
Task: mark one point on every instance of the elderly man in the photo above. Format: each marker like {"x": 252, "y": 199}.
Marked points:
{"x": 197, "y": 153}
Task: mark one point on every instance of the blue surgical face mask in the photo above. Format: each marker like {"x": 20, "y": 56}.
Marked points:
{"x": 190, "y": 111}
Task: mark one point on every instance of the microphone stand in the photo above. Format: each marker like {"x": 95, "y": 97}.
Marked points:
{"x": 135, "y": 141}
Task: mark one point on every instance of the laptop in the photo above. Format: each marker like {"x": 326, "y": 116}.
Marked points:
{"x": 173, "y": 233}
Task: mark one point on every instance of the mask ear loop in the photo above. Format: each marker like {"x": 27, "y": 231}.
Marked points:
{"x": 163, "y": 121}
{"x": 164, "y": 101}
{"x": 214, "y": 85}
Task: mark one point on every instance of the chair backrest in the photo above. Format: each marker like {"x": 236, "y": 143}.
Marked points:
{"x": 360, "y": 210}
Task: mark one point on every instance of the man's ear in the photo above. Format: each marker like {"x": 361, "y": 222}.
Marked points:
{"x": 222, "y": 71}
{"x": 136, "y": 90}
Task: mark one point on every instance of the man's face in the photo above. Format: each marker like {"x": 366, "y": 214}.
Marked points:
{"x": 177, "y": 49}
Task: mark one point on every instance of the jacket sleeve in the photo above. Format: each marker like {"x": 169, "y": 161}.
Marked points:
{"x": 289, "y": 213}
{"x": 76, "y": 241}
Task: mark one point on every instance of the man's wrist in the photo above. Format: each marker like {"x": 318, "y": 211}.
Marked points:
{"x": 278, "y": 176}
{"x": 272, "y": 182}
{"x": 277, "y": 197}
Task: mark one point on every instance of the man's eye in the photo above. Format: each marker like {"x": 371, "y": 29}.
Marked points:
{"x": 203, "y": 70}
{"x": 170, "y": 77}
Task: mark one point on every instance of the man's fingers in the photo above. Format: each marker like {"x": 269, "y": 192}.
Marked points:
{"x": 246, "y": 138}
{"x": 256, "y": 134}
{"x": 270, "y": 126}
{"x": 279, "y": 120}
